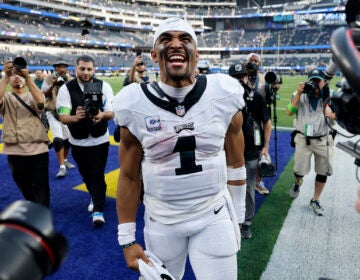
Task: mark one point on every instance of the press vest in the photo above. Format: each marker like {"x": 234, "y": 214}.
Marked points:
{"x": 85, "y": 127}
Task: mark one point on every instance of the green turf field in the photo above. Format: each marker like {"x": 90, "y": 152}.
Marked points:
{"x": 288, "y": 86}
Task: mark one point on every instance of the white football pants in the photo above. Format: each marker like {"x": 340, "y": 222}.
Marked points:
{"x": 210, "y": 241}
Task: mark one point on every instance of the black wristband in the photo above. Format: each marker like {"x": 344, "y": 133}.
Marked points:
{"x": 127, "y": 245}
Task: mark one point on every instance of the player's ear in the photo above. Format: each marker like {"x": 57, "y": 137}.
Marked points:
{"x": 197, "y": 57}
{"x": 153, "y": 55}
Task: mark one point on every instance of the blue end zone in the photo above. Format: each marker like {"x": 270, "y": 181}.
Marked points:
{"x": 94, "y": 252}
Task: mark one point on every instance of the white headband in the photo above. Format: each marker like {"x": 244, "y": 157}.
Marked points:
{"x": 174, "y": 24}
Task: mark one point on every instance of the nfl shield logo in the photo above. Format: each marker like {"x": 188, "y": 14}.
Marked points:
{"x": 180, "y": 110}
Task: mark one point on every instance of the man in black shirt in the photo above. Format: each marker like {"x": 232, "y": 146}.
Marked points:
{"x": 257, "y": 132}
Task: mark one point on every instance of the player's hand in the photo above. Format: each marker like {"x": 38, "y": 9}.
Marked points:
{"x": 132, "y": 254}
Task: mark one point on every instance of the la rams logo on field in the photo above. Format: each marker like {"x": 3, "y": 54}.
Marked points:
{"x": 153, "y": 123}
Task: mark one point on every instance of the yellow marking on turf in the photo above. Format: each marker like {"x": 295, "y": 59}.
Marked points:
{"x": 111, "y": 182}
{"x": 112, "y": 141}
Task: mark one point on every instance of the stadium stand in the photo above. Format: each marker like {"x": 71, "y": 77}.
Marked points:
{"x": 117, "y": 28}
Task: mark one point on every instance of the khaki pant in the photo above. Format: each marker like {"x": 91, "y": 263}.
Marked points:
{"x": 323, "y": 155}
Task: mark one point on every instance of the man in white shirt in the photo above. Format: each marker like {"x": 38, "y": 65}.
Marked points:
{"x": 84, "y": 105}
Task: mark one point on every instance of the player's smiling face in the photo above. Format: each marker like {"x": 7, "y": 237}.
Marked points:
{"x": 177, "y": 56}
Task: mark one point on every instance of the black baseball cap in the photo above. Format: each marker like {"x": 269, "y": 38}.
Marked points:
{"x": 315, "y": 74}
{"x": 237, "y": 69}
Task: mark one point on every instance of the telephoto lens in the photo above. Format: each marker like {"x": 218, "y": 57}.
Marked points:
{"x": 20, "y": 63}
{"x": 29, "y": 247}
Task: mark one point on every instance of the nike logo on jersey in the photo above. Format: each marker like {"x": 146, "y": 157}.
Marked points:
{"x": 216, "y": 211}
{"x": 189, "y": 126}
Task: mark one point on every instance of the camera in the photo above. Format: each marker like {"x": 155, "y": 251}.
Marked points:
{"x": 272, "y": 78}
{"x": 238, "y": 70}
{"x": 20, "y": 63}
{"x": 266, "y": 168}
{"x": 60, "y": 80}
{"x": 310, "y": 87}
{"x": 30, "y": 246}
{"x": 92, "y": 99}
{"x": 346, "y": 101}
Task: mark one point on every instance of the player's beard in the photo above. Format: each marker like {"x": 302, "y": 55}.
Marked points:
{"x": 173, "y": 74}
{"x": 85, "y": 81}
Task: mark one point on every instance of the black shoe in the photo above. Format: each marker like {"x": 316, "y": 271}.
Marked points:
{"x": 245, "y": 232}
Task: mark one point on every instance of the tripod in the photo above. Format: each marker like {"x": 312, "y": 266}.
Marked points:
{"x": 271, "y": 78}
{"x": 273, "y": 99}
{"x": 273, "y": 94}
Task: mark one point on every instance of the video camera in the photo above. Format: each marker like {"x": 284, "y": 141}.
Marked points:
{"x": 346, "y": 101}
{"x": 266, "y": 168}
{"x": 29, "y": 246}
{"x": 246, "y": 69}
{"x": 92, "y": 99}
{"x": 271, "y": 78}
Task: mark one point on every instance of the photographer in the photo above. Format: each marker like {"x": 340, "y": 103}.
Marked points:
{"x": 24, "y": 136}
{"x": 137, "y": 73}
{"x": 308, "y": 103}
{"x": 60, "y": 132}
{"x": 84, "y": 105}
{"x": 257, "y": 82}
{"x": 257, "y": 132}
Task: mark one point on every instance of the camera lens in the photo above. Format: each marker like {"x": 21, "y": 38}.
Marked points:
{"x": 310, "y": 87}
{"x": 20, "y": 63}
{"x": 60, "y": 81}
{"x": 33, "y": 249}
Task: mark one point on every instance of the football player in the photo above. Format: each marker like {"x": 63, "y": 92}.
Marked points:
{"x": 184, "y": 134}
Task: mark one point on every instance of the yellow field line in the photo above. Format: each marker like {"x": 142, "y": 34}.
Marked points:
{"x": 111, "y": 183}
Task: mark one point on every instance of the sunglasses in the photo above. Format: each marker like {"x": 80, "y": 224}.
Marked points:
{"x": 140, "y": 64}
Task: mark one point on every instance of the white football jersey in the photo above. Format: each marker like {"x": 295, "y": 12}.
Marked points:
{"x": 184, "y": 164}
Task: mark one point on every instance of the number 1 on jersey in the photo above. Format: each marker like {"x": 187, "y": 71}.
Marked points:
{"x": 186, "y": 147}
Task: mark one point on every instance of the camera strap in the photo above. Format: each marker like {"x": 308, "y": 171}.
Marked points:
{"x": 32, "y": 111}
